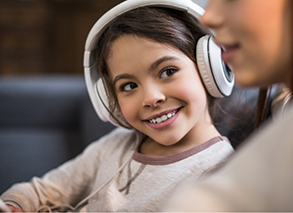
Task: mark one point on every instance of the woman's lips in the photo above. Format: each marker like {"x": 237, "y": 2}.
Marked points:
{"x": 166, "y": 123}
{"x": 228, "y": 49}
{"x": 228, "y": 52}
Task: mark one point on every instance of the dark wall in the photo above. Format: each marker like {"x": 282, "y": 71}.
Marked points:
{"x": 46, "y": 36}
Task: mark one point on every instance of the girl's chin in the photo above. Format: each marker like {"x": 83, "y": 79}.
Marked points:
{"x": 168, "y": 141}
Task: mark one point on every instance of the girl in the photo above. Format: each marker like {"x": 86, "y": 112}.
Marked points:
{"x": 146, "y": 59}
{"x": 257, "y": 38}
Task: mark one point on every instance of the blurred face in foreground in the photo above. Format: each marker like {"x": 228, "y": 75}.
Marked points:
{"x": 255, "y": 36}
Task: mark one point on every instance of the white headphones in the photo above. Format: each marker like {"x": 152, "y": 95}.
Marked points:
{"x": 217, "y": 78}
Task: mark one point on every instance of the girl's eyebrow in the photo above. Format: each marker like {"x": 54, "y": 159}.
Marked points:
{"x": 161, "y": 60}
{"x": 122, "y": 76}
{"x": 151, "y": 68}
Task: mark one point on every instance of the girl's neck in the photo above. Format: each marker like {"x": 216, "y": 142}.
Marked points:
{"x": 153, "y": 148}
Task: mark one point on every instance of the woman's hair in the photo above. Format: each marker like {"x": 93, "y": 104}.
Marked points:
{"x": 263, "y": 104}
{"x": 168, "y": 26}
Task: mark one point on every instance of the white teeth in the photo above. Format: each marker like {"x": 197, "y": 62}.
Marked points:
{"x": 159, "y": 120}
{"x": 162, "y": 118}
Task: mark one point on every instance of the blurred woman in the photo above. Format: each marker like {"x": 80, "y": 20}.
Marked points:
{"x": 256, "y": 37}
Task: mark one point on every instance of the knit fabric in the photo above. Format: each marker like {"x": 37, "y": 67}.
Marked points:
{"x": 143, "y": 184}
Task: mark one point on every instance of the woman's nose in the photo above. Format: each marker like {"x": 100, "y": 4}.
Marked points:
{"x": 212, "y": 18}
{"x": 153, "y": 97}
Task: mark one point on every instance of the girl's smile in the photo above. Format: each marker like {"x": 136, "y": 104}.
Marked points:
{"x": 160, "y": 92}
{"x": 163, "y": 120}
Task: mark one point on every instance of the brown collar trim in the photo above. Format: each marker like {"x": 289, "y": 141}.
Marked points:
{"x": 164, "y": 160}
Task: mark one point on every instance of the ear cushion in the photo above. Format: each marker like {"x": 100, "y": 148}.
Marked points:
{"x": 218, "y": 80}
{"x": 103, "y": 103}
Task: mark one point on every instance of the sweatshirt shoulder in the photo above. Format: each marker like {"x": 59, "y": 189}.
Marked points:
{"x": 114, "y": 140}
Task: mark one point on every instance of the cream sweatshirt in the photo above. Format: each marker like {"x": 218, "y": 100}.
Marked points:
{"x": 128, "y": 180}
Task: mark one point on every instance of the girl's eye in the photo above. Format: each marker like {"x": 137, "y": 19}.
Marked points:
{"x": 128, "y": 87}
{"x": 168, "y": 72}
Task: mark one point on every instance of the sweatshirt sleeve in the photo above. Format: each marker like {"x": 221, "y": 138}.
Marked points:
{"x": 67, "y": 184}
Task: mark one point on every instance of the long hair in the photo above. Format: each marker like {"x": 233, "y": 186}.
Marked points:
{"x": 263, "y": 105}
{"x": 167, "y": 26}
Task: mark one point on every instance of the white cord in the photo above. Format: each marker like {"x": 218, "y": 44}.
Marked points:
{"x": 85, "y": 199}
{"x": 50, "y": 208}
{"x": 103, "y": 185}
{"x": 4, "y": 207}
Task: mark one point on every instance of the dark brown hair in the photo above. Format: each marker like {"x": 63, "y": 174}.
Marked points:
{"x": 168, "y": 26}
{"x": 263, "y": 105}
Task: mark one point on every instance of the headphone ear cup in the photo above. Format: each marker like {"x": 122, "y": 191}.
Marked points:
{"x": 103, "y": 110}
{"x": 218, "y": 80}
{"x": 103, "y": 102}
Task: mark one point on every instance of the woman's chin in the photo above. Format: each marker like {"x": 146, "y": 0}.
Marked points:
{"x": 244, "y": 80}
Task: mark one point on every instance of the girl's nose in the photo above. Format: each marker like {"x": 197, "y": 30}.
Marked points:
{"x": 153, "y": 97}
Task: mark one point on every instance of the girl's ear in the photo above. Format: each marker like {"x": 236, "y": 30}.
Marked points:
{"x": 216, "y": 76}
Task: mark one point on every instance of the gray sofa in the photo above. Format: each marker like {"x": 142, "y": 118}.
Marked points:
{"x": 44, "y": 121}
{"x": 47, "y": 120}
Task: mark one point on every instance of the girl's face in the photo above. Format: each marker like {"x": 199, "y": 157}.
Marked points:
{"x": 158, "y": 89}
{"x": 255, "y": 36}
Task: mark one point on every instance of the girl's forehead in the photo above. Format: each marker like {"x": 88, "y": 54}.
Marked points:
{"x": 127, "y": 42}
{"x": 130, "y": 54}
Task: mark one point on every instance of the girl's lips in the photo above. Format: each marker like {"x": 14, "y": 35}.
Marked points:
{"x": 164, "y": 124}
{"x": 162, "y": 113}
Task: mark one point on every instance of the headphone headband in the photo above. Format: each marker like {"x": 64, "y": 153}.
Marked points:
{"x": 128, "y": 5}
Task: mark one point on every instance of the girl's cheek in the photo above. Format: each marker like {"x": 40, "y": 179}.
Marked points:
{"x": 127, "y": 109}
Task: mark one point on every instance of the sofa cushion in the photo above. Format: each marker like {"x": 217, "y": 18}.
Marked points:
{"x": 48, "y": 101}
